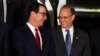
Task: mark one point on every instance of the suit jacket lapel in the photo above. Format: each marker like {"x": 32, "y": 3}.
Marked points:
{"x": 29, "y": 37}
{"x": 44, "y": 42}
{"x": 75, "y": 43}
{"x": 28, "y": 33}
{"x": 42, "y": 36}
{"x": 61, "y": 40}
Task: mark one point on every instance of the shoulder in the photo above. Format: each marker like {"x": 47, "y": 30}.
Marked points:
{"x": 80, "y": 31}
{"x": 20, "y": 33}
{"x": 20, "y": 30}
{"x": 82, "y": 35}
{"x": 21, "y": 27}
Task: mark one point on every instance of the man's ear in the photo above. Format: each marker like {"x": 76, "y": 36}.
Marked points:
{"x": 73, "y": 17}
{"x": 32, "y": 13}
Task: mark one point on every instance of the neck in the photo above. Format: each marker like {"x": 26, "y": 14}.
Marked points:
{"x": 33, "y": 24}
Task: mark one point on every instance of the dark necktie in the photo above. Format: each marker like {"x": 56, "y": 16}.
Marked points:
{"x": 68, "y": 42}
{"x": 37, "y": 39}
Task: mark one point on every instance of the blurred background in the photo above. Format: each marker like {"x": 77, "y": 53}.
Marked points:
{"x": 88, "y": 14}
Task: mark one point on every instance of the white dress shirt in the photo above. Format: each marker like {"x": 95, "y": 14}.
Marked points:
{"x": 71, "y": 30}
{"x": 32, "y": 28}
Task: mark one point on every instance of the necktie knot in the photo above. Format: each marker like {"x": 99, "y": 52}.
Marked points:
{"x": 36, "y": 30}
{"x": 67, "y": 35}
{"x": 67, "y": 30}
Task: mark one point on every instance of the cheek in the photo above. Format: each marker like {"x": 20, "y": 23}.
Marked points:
{"x": 40, "y": 19}
{"x": 63, "y": 21}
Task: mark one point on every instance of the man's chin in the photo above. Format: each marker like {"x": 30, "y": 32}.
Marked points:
{"x": 41, "y": 25}
{"x": 64, "y": 26}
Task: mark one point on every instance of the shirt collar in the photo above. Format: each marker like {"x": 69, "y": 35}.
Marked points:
{"x": 31, "y": 27}
{"x": 71, "y": 29}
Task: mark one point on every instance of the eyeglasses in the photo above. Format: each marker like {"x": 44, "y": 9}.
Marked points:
{"x": 64, "y": 17}
{"x": 43, "y": 13}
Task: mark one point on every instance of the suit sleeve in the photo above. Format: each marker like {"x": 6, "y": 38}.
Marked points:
{"x": 52, "y": 48}
{"x": 51, "y": 45}
{"x": 17, "y": 44}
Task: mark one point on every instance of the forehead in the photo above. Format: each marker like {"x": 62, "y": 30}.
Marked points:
{"x": 65, "y": 11}
{"x": 42, "y": 9}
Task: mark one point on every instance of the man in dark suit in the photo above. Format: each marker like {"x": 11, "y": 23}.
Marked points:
{"x": 95, "y": 42}
{"x": 27, "y": 41}
{"x": 68, "y": 40}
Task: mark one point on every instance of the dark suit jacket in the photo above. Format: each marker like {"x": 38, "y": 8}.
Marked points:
{"x": 95, "y": 42}
{"x": 80, "y": 45}
{"x": 23, "y": 43}
{"x": 3, "y": 39}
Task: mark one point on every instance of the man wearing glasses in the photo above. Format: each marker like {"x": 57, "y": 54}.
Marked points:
{"x": 32, "y": 39}
{"x": 69, "y": 40}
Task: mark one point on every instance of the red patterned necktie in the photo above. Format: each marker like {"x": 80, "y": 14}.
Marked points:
{"x": 37, "y": 39}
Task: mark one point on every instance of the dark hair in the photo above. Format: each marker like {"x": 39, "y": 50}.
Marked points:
{"x": 70, "y": 7}
{"x": 34, "y": 7}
